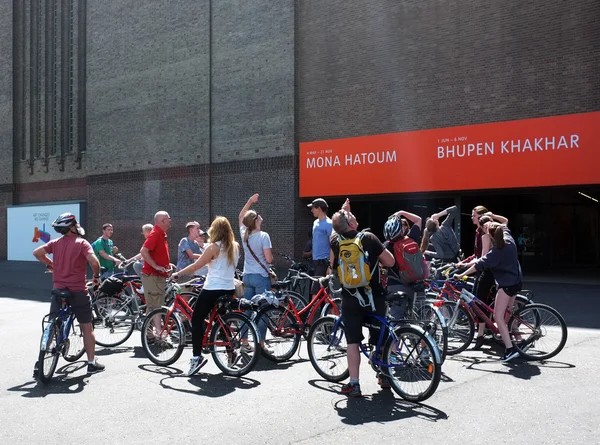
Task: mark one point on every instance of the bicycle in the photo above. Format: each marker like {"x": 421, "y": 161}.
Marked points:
{"x": 62, "y": 335}
{"x": 528, "y": 327}
{"x": 460, "y": 320}
{"x": 406, "y": 354}
{"x": 286, "y": 324}
{"x": 163, "y": 335}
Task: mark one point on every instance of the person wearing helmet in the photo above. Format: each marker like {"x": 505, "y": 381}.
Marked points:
{"x": 70, "y": 254}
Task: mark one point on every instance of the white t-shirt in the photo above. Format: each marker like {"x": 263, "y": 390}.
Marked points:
{"x": 258, "y": 242}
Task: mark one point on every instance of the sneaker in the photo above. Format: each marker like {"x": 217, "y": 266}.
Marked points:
{"x": 95, "y": 367}
{"x": 196, "y": 364}
{"x": 352, "y": 390}
{"x": 247, "y": 348}
{"x": 509, "y": 354}
{"x": 478, "y": 343}
{"x": 384, "y": 381}
{"x": 232, "y": 358}
{"x": 268, "y": 349}
{"x": 524, "y": 345}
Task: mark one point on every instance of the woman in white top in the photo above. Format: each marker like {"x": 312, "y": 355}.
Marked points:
{"x": 221, "y": 257}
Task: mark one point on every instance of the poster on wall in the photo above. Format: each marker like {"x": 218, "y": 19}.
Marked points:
{"x": 31, "y": 226}
{"x": 551, "y": 151}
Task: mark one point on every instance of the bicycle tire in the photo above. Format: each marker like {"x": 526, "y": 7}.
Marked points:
{"x": 229, "y": 328}
{"x": 322, "y": 337}
{"x": 280, "y": 324}
{"x": 106, "y": 321}
{"x": 172, "y": 339}
{"x": 46, "y": 370}
{"x": 298, "y": 300}
{"x": 328, "y": 308}
{"x": 431, "y": 313}
{"x": 461, "y": 333}
{"x": 76, "y": 343}
{"x": 415, "y": 357}
{"x": 534, "y": 318}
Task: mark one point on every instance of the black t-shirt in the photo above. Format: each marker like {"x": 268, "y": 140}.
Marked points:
{"x": 373, "y": 248}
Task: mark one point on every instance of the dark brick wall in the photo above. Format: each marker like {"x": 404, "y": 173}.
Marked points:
{"x": 377, "y": 67}
{"x": 6, "y": 92}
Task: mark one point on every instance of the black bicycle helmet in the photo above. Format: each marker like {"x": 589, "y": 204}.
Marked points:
{"x": 64, "y": 222}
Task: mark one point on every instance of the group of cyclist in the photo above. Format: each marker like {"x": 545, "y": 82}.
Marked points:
{"x": 495, "y": 260}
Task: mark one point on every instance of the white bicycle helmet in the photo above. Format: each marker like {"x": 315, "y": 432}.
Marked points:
{"x": 64, "y": 222}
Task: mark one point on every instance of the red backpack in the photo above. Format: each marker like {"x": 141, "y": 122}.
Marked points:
{"x": 410, "y": 262}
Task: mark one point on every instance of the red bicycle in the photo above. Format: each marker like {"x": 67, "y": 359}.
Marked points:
{"x": 285, "y": 323}
{"x": 163, "y": 335}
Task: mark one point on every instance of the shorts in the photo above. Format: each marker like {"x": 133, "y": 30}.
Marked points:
{"x": 353, "y": 316}
{"x": 154, "y": 291}
{"x": 513, "y": 290}
{"x": 321, "y": 267}
{"x": 81, "y": 305}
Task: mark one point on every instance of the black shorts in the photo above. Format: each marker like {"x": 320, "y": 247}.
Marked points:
{"x": 80, "y": 303}
{"x": 513, "y": 290}
{"x": 320, "y": 271}
{"x": 353, "y": 316}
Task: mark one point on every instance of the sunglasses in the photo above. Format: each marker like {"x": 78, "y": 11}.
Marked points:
{"x": 258, "y": 215}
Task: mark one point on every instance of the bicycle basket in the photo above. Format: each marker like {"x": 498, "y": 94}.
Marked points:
{"x": 111, "y": 286}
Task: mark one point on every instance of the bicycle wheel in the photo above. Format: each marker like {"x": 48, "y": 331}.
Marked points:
{"x": 430, "y": 317}
{"x": 163, "y": 337}
{"x": 461, "y": 328}
{"x": 114, "y": 321}
{"x": 539, "y": 332}
{"x": 226, "y": 346}
{"x": 76, "y": 347}
{"x": 282, "y": 338}
{"x": 330, "y": 309}
{"x": 48, "y": 358}
{"x": 412, "y": 363}
{"x": 327, "y": 349}
{"x": 296, "y": 298}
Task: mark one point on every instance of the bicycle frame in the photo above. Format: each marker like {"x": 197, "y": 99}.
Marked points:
{"x": 65, "y": 316}
{"x": 180, "y": 306}
{"x": 373, "y": 356}
{"x": 319, "y": 299}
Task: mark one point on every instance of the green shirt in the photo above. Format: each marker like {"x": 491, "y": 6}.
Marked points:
{"x": 107, "y": 246}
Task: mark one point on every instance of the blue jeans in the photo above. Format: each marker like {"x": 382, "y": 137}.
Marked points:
{"x": 255, "y": 284}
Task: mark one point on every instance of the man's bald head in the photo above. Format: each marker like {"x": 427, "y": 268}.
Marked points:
{"x": 162, "y": 220}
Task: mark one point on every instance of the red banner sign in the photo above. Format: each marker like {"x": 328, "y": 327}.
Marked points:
{"x": 559, "y": 150}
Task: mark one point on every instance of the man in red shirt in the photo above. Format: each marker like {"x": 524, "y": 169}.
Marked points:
{"x": 157, "y": 262}
{"x": 70, "y": 255}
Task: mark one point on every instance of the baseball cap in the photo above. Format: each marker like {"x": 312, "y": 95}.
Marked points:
{"x": 319, "y": 202}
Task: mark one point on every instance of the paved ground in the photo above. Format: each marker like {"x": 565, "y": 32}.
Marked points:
{"x": 479, "y": 400}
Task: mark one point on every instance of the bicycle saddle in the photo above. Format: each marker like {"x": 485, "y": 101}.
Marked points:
{"x": 280, "y": 284}
{"x": 62, "y": 293}
{"x": 396, "y": 297}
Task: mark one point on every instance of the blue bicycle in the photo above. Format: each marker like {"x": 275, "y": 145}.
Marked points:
{"x": 406, "y": 354}
{"x": 62, "y": 335}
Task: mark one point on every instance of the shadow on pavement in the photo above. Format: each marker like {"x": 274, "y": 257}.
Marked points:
{"x": 61, "y": 382}
{"x": 208, "y": 385}
{"x": 383, "y": 406}
{"x": 267, "y": 365}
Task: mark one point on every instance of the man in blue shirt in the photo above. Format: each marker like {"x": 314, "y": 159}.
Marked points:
{"x": 320, "y": 241}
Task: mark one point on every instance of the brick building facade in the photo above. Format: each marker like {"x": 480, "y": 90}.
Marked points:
{"x": 192, "y": 106}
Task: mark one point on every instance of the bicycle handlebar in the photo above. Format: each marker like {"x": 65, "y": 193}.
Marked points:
{"x": 320, "y": 280}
